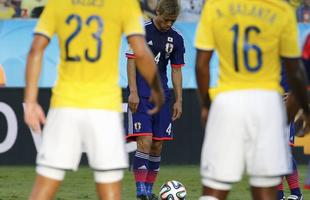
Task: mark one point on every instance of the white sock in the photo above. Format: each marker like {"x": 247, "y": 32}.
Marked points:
{"x": 208, "y": 198}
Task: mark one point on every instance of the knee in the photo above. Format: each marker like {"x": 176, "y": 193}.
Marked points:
{"x": 144, "y": 144}
{"x": 263, "y": 182}
{"x": 156, "y": 147}
{"x": 105, "y": 177}
{"x": 52, "y": 173}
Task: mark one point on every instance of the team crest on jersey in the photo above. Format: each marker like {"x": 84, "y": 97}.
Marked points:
{"x": 137, "y": 126}
{"x": 169, "y": 49}
{"x": 170, "y": 39}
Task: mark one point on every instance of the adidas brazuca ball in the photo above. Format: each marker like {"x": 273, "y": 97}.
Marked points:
{"x": 172, "y": 190}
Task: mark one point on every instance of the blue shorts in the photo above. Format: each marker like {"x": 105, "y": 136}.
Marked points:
{"x": 292, "y": 134}
{"x": 142, "y": 124}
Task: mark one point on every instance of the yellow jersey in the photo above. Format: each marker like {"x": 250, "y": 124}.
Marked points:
{"x": 250, "y": 37}
{"x": 89, "y": 35}
{"x": 294, "y": 3}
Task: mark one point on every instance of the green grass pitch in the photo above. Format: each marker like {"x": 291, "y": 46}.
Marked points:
{"x": 16, "y": 183}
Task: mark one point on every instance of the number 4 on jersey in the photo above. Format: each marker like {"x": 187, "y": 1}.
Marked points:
{"x": 168, "y": 130}
{"x": 157, "y": 58}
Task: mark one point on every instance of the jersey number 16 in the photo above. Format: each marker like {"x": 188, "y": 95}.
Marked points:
{"x": 246, "y": 47}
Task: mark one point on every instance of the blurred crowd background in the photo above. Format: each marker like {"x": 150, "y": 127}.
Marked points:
{"x": 21, "y": 8}
{"x": 190, "y": 9}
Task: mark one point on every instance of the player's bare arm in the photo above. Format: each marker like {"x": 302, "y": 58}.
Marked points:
{"x": 203, "y": 77}
{"x": 292, "y": 107}
{"x": 34, "y": 115}
{"x": 298, "y": 83}
{"x": 144, "y": 57}
{"x": 176, "y": 76}
{"x": 133, "y": 98}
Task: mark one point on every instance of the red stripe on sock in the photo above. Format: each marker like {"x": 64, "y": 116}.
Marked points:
{"x": 293, "y": 180}
{"x": 280, "y": 187}
{"x": 151, "y": 176}
{"x": 140, "y": 175}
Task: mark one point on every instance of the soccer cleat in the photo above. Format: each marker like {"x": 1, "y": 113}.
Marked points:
{"x": 153, "y": 197}
{"x": 283, "y": 198}
{"x": 142, "y": 197}
{"x": 295, "y": 197}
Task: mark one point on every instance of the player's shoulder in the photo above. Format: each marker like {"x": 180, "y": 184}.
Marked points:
{"x": 176, "y": 33}
{"x": 147, "y": 23}
{"x": 282, "y": 5}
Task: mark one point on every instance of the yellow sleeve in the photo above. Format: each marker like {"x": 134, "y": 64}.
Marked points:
{"x": 47, "y": 22}
{"x": 204, "y": 34}
{"x": 132, "y": 19}
{"x": 289, "y": 47}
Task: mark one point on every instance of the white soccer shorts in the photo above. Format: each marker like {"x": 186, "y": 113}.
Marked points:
{"x": 69, "y": 131}
{"x": 245, "y": 131}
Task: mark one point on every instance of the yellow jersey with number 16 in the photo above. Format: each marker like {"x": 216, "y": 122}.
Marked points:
{"x": 250, "y": 37}
{"x": 89, "y": 34}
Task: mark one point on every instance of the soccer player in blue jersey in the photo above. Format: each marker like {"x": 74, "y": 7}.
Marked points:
{"x": 167, "y": 45}
{"x": 292, "y": 178}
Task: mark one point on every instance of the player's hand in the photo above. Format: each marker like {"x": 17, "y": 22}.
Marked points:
{"x": 304, "y": 125}
{"x": 177, "y": 110}
{"x": 34, "y": 116}
{"x": 204, "y": 116}
{"x": 133, "y": 101}
{"x": 157, "y": 98}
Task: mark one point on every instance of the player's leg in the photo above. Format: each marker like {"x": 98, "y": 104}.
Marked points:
{"x": 280, "y": 189}
{"x": 268, "y": 193}
{"x": 153, "y": 168}
{"x": 222, "y": 156}
{"x": 109, "y": 191}
{"x": 60, "y": 149}
{"x": 108, "y": 184}
{"x": 44, "y": 188}
{"x": 293, "y": 183}
{"x": 103, "y": 142}
{"x": 141, "y": 164}
{"x": 139, "y": 128}
{"x": 162, "y": 131}
{"x": 214, "y": 194}
{"x": 293, "y": 178}
{"x": 269, "y": 143}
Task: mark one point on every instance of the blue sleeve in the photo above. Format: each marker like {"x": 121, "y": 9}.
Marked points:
{"x": 284, "y": 83}
{"x": 177, "y": 56}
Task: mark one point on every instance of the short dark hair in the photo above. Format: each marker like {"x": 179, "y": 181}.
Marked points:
{"x": 168, "y": 7}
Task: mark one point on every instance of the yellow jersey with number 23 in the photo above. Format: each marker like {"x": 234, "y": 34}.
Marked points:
{"x": 89, "y": 34}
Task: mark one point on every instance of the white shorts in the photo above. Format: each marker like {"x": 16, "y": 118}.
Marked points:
{"x": 69, "y": 131}
{"x": 245, "y": 131}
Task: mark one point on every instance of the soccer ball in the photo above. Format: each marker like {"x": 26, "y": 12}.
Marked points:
{"x": 172, "y": 190}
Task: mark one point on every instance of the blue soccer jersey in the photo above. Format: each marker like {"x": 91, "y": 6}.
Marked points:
{"x": 285, "y": 87}
{"x": 284, "y": 83}
{"x": 166, "y": 46}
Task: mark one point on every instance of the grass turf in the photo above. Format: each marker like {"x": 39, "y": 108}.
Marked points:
{"x": 16, "y": 183}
